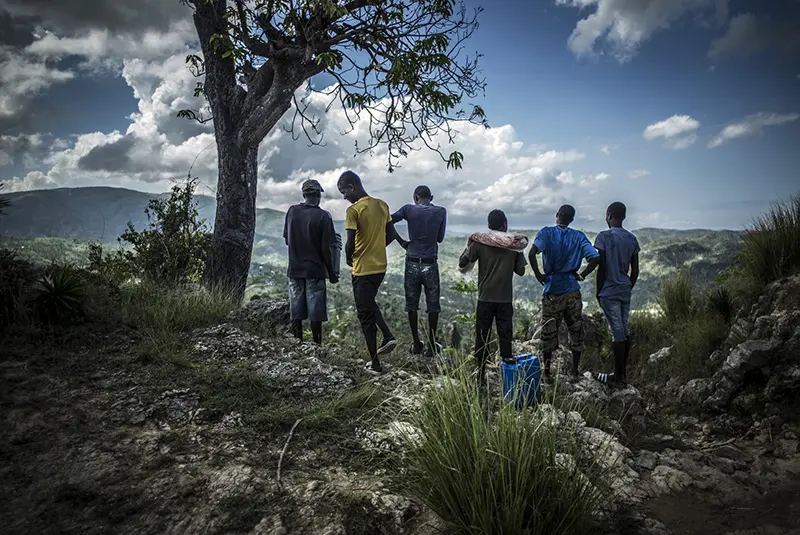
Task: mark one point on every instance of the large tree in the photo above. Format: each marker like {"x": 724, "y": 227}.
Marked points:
{"x": 398, "y": 64}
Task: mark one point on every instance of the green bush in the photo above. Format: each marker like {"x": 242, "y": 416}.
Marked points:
{"x": 771, "y": 249}
{"x": 677, "y": 298}
{"x": 721, "y": 301}
{"x": 694, "y": 342}
{"x": 60, "y": 296}
{"x": 506, "y": 472}
{"x": 171, "y": 251}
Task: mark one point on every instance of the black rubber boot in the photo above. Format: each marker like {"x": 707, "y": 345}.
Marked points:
{"x": 576, "y": 363}
{"x": 619, "y": 363}
{"x": 625, "y": 361}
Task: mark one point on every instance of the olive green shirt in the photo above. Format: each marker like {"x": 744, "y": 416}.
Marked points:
{"x": 496, "y": 268}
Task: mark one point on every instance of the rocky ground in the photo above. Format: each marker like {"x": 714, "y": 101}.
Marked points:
{"x": 96, "y": 441}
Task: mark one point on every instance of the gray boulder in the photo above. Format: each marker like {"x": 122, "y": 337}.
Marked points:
{"x": 748, "y": 356}
{"x": 271, "y": 315}
{"x": 660, "y": 356}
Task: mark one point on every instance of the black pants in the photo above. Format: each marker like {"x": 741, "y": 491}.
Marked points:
{"x": 365, "y": 290}
{"x": 502, "y": 314}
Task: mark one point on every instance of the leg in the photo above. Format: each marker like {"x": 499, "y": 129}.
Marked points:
{"x": 297, "y": 329}
{"x": 316, "y": 332}
{"x": 317, "y": 300}
{"x": 413, "y": 289}
{"x": 625, "y": 309}
{"x": 298, "y": 306}
{"x": 413, "y": 322}
{"x": 549, "y": 330}
{"x": 430, "y": 280}
{"x": 504, "y": 321}
{"x": 483, "y": 325}
{"x": 389, "y": 342}
{"x": 613, "y": 312}
{"x": 364, "y": 292}
{"x": 573, "y": 315}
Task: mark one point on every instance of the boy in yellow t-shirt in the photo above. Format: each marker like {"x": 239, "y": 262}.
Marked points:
{"x": 369, "y": 231}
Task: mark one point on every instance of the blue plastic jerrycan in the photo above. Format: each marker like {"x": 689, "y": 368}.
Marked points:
{"x": 522, "y": 381}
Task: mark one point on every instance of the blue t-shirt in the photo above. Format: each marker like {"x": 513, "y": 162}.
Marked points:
{"x": 426, "y": 225}
{"x": 563, "y": 250}
{"x": 618, "y": 246}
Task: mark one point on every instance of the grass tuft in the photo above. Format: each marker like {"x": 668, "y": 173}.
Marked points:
{"x": 677, "y": 298}
{"x": 771, "y": 249}
{"x": 505, "y": 472}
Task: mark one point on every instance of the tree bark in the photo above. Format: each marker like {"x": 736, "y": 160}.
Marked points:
{"x": 235, "y": 220}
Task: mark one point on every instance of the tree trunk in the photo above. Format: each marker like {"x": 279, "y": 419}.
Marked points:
{"x": 235, "y": 221}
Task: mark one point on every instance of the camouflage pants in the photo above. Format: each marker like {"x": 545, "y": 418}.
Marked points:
{"x": 568, "y": 307}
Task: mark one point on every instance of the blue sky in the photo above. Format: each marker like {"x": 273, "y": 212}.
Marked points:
{"x": 578, "y": 109}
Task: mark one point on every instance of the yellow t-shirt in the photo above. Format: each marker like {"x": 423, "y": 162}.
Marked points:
{"x": 368, "y": 217}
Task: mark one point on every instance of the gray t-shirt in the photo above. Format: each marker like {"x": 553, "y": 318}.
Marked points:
{"x": 618, "y": 246}
{"x": 496, "y": 268}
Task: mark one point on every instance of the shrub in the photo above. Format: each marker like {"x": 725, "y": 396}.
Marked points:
{"x": 172, "y": 250}
{"x": 677, "y": 296}
{"x": 720, "y": 301}
{"x": 507, "y": 472}
{"x": 771, "y": 249}
{"x": 694, "y": 341}
{"x": 59, "y": 296}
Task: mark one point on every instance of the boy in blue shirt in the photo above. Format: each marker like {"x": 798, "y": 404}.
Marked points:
{"x": 426, "y": 227}
{"x": 563, "y": 250}
{"x": 619, "y": 254}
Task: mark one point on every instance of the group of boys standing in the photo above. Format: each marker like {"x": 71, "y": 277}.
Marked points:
{"x": 312, "y": 243}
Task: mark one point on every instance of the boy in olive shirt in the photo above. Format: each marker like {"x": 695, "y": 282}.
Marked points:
{"x": 369, "y": 231}
{"x": 496, "y": 268}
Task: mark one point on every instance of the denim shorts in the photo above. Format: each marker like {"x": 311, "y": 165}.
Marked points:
{"x": 308, "y": 299}
{"x": 417, "y": 277}
{"x": 617, "y": 308}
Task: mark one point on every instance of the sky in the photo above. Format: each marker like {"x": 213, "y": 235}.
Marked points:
{"x": 688, "y": 111}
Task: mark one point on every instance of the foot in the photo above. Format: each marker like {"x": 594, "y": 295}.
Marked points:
{"x": 432, "y": 351}
{"x": 373, "y": 370}
{"x": 417, "y": 348}
{"x": 387, "y": 346}
{"x": 608, "y": 378}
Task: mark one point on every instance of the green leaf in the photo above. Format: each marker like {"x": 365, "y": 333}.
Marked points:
{"x": 455, "y": 160}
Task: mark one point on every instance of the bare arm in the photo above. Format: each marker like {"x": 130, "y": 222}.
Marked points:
{"x": 634, "y": 269}
{"x": 391, "y": 233}
{"x": 519, "y": 265}
{"x": 535, "y": 264}
{"x": 590, "y": 266}
{"x": 350, "y": 247}
{"x": 601, "y": 273}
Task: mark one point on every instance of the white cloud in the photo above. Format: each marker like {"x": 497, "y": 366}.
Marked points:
{"x": 750, "y": 126}
{"x": 606, "y": 149}
{"x": 500, "y": 171}
{"x": 23, "y": 79}
{"x": 677, "y": 131}
{"x": 621, "y": 26}
{"x": 638, "y": 173}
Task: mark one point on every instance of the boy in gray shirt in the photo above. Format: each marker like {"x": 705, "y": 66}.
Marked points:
{"x": 619, "y": 255}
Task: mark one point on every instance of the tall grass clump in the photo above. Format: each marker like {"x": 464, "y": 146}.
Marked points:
{"x": 771, "y": 248}
{"x": 677, "y": 298}
{"x": 510, "y": 472}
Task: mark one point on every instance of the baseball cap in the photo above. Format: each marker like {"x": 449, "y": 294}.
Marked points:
{"x": 311, "y": 185}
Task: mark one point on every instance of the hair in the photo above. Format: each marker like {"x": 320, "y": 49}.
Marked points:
{"x": 617, "y": 211}
{"x": 497, "y": 220}
{"x": 423, "y": 192}
{"x": 349, "y": 178}
{"x": 312, "y": 194}
{"x": 567, "y": 212}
